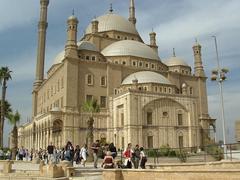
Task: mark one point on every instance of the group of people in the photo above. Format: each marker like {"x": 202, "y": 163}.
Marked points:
{"x": 134, "y": 157}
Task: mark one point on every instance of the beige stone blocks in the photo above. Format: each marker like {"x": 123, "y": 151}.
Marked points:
{"x": 210, "y": 171}
{"x": 7, "y": 167}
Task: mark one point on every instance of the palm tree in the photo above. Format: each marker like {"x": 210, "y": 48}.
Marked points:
{"x": 13, "y": 119}
{"x": 5, "y": 75}
{"x": 7, "y": 108}
{"x": 90, "y": 107}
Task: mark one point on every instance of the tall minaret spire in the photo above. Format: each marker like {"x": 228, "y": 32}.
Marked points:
{"x": 198, "y": 65}
{"x": 132, "y": 17}
{"x": 42, "y": 27}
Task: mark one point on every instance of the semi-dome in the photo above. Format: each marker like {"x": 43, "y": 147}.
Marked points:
{"x": 82, "y": 45}
{"x": 175, "y": 61}
{"x": 59, "y": 58}
{"x": 130, "y": 48}
{"x": 113, "y": 21}
{"x": 86, "y": 45}
{"x": 146, "y": 77}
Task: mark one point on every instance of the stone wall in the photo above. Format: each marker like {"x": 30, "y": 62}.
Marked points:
{"x": 220, "y": 170}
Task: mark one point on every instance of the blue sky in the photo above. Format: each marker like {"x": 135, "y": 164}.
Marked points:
{"x": 176, "y": 22}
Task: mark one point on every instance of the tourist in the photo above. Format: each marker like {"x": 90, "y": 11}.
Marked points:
{"x": 50, "y": 149}
{"x": 26, "y": 155}
{"x": 56, "y": 154}
{"x": 83, "y": 154}
{"x": 62, "y": 152}
{"x": 136, "y": 156}
{"x": 95, "y": 148}
{"x": 21, "y": 153}
{"x": 69, "y": 151}
{"x": 108, "y": 161}
{"x": 113, "y": 150}
{"x": 77, "y": 154}
{"x": 127, "y": 154}
{"x": 31, "y": 155}
{"x": 143, "y": 158}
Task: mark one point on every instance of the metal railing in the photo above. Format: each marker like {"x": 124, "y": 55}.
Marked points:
{"x": 212, "y": 152}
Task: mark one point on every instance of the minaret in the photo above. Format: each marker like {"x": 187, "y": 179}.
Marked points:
{"x": 198, "y": 66}
{"x": 71, "y": 44}
{"x": 94, "y": 26}
{"x": 153, "y": 43}
{"x": 42, "y": 27}
{"x": 132, "y": 18}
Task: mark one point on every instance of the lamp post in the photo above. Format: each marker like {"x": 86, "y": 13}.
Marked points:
{"x": 219, "y": 75}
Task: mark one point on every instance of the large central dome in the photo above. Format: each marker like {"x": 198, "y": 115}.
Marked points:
{"x": 113, "y": 21}
{"x": 130, "y": 48}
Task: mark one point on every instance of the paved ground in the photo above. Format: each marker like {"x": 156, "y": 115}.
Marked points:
{"x": 91, "y": 173}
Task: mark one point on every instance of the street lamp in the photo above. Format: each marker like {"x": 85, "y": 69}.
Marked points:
{"x": 219, "y": 75}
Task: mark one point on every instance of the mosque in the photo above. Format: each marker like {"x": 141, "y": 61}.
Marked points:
{"x": 142, "y": 99}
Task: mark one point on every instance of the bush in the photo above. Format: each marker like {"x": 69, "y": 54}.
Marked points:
{"x": 216, "y": 151}
{"x": 164, "y": 150}
{"x": 152, "y": 153}
{"x": 182, "y": 155}
{"x": 172, "y": 153}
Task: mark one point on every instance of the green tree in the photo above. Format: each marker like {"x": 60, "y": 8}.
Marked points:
{"x": 90, "y": 107}
{"x": 13, "y": 119}
{"x": 7, "y": 107}
{"x": 5, "y": 75}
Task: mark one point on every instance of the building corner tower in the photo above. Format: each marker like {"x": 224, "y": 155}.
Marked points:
{"x": 71, "y": 44}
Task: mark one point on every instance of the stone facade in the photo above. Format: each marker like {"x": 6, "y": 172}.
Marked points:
{"x": 171, "y": 109}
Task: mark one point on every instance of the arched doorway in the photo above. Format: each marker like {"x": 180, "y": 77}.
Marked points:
{"x": 57, "y": 132}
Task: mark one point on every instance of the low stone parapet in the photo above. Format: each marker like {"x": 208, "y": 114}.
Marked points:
{"x": 220, "y": 170}
{"x": 7, "y": 166}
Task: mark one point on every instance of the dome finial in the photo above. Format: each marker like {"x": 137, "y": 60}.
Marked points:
{"x": 196, "y": 41}
{"x": 174, "y": 54}
{"x": 111, "y": 8}
{"x": 73, "y": 12}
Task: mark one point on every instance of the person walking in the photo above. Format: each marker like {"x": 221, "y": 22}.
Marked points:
{"x": 113, "y": 150}
{"x": 127, "y": 154}
{"x": 50, "y": 150}
{"x": 77, "y": 154}
{"x": 83, "y": 154}
{"x": 95, "y": 148}
{"x": 136, "y": 156}
{"x": 143, "y": 158}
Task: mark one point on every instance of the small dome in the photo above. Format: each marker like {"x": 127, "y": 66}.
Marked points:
{"x": 146, "y": 77}
{"x": 175, "y": 61}
{"x": 86, "y": 45}
{"x": 82, "y": 45}
{"x": 72, "y": 17}
{"x": 113, "y": 21}
{"x": 59, "y": 58}
{"x": 130, "y": 48}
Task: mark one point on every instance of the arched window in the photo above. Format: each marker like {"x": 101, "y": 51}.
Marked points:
{"x": 180, "y": 140}
{"x": 180, "y": 119}
{"x": 89, "y": 79}
{"x": 57, "y": 126}
{"x": 103, "y": 81}
{"x": 149, "y": 118}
